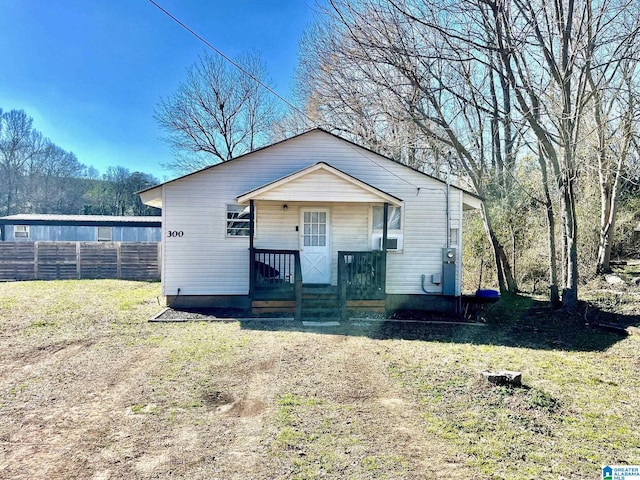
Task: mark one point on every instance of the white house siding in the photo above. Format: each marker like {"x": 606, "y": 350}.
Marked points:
{"x": 331, "y": 187}
{"x": 204, "y": 262}
{"x": 276, "y": 228}
{"x": 350, "y": 227}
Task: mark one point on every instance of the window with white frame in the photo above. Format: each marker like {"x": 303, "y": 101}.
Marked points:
{"x": 394, "y": 221}
{"x": 394, "y": 228}
{"x": 21, "y": 231}
{"x": 104, "y": 234}
{"x": 238, "y": 221}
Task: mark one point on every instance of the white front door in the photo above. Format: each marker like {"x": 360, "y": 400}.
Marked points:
{"x": 315, "y": 251}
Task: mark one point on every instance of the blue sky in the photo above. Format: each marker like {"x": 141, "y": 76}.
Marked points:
{"x": 91, "y": 72}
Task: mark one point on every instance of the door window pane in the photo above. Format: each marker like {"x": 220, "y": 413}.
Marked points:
{"x": 315, "y": 229}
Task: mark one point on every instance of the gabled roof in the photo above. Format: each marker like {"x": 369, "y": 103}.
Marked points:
{"x": 291, "y": 187}
{"x": 81, "y": 220}
{"x": 153, "y": 196}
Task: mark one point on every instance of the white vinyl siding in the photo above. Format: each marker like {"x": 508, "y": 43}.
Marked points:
{"x": 207, "y": 262}
{"x": 333, "y": 187}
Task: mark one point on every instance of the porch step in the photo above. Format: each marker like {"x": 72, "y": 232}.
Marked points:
{"x": 319, "y": 290}
{"x": 320, "y": 303}
{"x": 273, "y": 306}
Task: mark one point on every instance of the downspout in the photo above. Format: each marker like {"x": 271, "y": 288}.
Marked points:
{"x": 385, "y": 226}
{"x": 252, "y": 262}
{"x": 447, "y": 213}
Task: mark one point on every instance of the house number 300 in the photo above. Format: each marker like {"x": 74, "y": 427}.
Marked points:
{"x": 175, "y": 233}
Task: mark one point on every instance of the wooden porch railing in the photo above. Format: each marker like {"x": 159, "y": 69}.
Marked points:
{"x": 276, "y": 271}
{"x": 361, "y": 276}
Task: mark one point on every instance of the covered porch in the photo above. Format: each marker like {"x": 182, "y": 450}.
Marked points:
{"x": 311, "y": 247}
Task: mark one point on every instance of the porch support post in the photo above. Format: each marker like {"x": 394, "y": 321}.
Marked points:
{"x": 252, "y": 256}
{"x": 385, "y": 227}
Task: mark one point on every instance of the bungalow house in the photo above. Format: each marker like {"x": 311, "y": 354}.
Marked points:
{"x": 311, "y": 224}
{"x": 79, "y": 228}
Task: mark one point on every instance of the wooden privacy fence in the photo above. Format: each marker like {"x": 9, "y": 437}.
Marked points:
{"x": 73, "y": 260}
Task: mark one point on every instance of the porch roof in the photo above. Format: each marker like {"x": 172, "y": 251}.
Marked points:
{"x": 319, "y": 183}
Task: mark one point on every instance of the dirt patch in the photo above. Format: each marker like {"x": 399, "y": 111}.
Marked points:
{"x": 216, "y": 399}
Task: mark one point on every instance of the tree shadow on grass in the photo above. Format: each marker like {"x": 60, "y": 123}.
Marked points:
{"x": 519, "y": 322}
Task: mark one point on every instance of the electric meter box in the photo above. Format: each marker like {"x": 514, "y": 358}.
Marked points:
{"x": 449, "y": 257}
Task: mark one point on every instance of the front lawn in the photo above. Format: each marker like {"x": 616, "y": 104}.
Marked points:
{"x": 90, "y": 389}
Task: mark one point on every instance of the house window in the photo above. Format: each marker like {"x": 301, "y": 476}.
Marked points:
{"x": 21, "y": 231}
{"x": 238, "y": 220}
{"x": 393, "y": 223}
{"x": 104, "y": 234}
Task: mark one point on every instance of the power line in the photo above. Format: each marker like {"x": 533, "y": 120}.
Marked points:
{"x": 235, "y": 64}
{"x": 255, "y": 79}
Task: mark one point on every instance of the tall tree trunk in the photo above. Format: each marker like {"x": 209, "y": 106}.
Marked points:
{"x": 554, "y": 295}
{"x": 506, "y": 282}
{"x": 609, "y": 181}
{"x": 607, "y": 225}
{"x": 567, "y": 204}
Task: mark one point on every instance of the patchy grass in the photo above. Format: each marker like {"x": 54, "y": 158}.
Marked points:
{"x": 89, "y": 388}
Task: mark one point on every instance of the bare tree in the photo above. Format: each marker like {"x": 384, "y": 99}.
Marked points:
{"x": 217, "y": 113}
{"x": 19, "y": 144}
{"x": 139, "y": 181}
{"x": 551, "y": 53}
{"x": 386, "y": 73}
{"x": 615, "y": 113}
{"x": 53, "y": 181}
{"x": 488, "y": 73}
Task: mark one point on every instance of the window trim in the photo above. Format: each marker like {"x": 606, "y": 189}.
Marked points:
{"x": 103, "y": 239}
{"x": 247, "y": 220}
{"x": 18, "y": 230}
